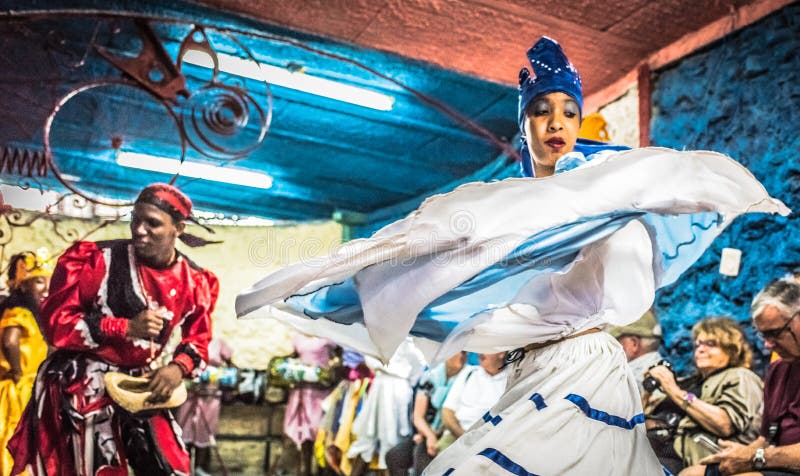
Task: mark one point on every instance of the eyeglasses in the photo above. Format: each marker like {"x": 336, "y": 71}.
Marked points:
{"x": 710, "y": 343}
{"x": 775, "y": 334}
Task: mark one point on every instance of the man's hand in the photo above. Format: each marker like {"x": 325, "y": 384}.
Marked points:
{"x": 432, "y": 443}
{"x": 147, "y": 324}
{"x": 734, "y": 458}
{"x": 163, "y": 381}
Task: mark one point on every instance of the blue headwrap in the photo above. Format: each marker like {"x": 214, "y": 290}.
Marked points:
{"x": 552, "y": 72}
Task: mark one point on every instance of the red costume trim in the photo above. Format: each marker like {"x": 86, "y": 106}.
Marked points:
{"x": 114, "y": 327}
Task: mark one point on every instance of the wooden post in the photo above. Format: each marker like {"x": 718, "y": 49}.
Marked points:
{"x": 645, "y": 104}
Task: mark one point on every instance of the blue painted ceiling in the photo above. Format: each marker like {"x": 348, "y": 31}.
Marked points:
{"x": 324, "y": 155}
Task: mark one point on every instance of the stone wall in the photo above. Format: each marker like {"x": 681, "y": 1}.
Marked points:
{"x": 247, "y": 255}
{"x": 741, "y": 97}
{"x": 622, "y": 117}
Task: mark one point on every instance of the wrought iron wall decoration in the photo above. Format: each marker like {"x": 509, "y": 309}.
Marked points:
{"x": 221, "y": 120}
{"x": 12, "y": 219}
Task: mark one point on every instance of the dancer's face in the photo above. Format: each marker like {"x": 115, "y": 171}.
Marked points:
{"x": 552, "y": 122}
{"x": 153, "y": 232}
{"x": 37, "y": 287}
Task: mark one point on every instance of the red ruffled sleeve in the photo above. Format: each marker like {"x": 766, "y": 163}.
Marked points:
{"x": 192, "y": 353}
{"x": 70, "y": 316}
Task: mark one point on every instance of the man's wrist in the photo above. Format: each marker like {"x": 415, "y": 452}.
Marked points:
{"x": 759, "y": 459}
{"x": 114, "y": 327}
{"x": 184, "y": 371}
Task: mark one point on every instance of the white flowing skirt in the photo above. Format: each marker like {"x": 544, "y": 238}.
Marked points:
{"x": 494, "y": 266}
{"x": 571, "y": 408}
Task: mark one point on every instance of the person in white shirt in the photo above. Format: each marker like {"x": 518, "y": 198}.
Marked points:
{"x": 473, "y": 393}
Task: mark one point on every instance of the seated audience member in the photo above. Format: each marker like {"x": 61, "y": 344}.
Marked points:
{"x": 729, "y": 404}
{"x": 640, "y": 341}
{"x": 419, "y": 451}
{"x": 473, "y": 393}
{"x": 776, "y": 452}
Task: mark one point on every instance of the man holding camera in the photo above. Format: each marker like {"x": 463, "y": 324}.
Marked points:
{"x": 640, "y": 341}
{"x": 775, "y": 311}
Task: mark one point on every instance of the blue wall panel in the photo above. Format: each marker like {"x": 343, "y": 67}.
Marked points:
{"x": 741, "y": 97}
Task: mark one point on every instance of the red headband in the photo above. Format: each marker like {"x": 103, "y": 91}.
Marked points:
{"x": 167, "y": 198}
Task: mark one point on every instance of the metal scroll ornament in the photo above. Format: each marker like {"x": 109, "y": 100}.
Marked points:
{"x": 220, "y": 119}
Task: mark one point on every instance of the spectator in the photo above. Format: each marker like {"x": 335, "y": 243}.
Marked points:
{"x": 640, "y": 341}
{"x": 776, "y": 452}
{"x": 417, "y": 452}
{"x": 473, "y": 393}
{"x": 23, "y": 346}
{"x": 729, "y": 405}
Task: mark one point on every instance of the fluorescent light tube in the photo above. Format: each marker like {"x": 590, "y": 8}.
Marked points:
{"x": 236, "y": 176}
{"x": 293, "y": 80}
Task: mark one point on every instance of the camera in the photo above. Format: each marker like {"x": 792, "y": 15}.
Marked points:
{"x": 651, "y": 384}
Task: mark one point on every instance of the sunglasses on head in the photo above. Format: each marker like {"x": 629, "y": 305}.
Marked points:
{"x": 775, "y": 334}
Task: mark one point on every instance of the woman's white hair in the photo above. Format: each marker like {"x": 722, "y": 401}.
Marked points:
{"x": 784, "y": 294}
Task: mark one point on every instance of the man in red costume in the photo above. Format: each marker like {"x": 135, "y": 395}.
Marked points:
{"x": 112, "y": 307}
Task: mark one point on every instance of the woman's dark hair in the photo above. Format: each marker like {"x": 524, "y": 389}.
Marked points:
{"x": 13, "y": 263}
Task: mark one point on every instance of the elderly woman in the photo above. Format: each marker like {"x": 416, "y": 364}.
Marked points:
{"x": 729, "y": 404}
{"x": 537, "y": 267}
{"x": 23, "y": 346}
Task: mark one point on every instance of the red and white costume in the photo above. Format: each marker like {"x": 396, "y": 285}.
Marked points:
{"x": 71, "y": 426}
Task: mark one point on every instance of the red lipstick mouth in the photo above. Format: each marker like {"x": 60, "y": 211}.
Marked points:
{"x": 556, "y": 142}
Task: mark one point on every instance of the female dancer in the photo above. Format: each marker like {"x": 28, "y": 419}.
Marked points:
{"x": 537, "y": 267}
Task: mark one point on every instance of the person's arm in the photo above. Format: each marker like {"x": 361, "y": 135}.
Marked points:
{"x": 782, "y": 456}
{"x": 421, "y": 403}
{"x": 70, "y": 318}
{"x": 11, "y": 336}
{"x": 450, "y": 422}
{"x": 453, "y": 401}
{"x": 192, "y": 352}
{"x": 711, "y": 417}
{"x": 736, "y": 458}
